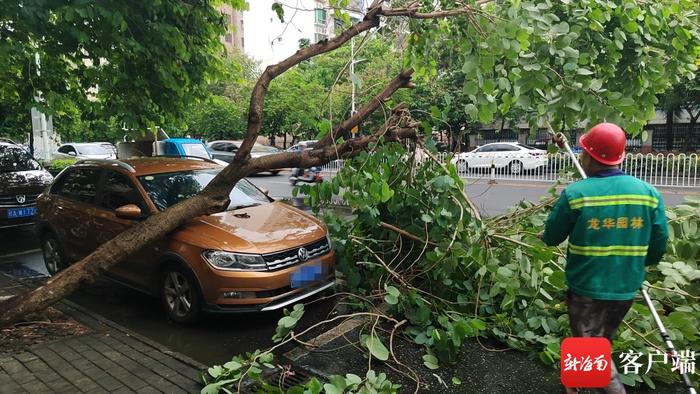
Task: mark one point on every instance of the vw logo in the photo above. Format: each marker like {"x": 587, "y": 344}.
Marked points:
{"x": 21, "y": 198}
{"x": 303, "y": 254}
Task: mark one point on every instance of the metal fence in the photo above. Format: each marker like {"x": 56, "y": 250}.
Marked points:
{"x": 679, "y": 170}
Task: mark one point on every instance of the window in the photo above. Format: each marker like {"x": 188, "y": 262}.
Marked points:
{"x": 66, "y": 149}
{"x": 92, "y": 150}
{"x": 118, "y": 191}
{"x": 229, "y": 37}
{"x": 79, "y": 185}
{"x": 320, "y": 16}
{"x": 169, "y": 189}
{"x": 505, "y": 148}
{"x": 16, "y": 159}
{"x": 319, "y": 37}
{"x": 242, "y": 43}
{"x": 197, "y": 150}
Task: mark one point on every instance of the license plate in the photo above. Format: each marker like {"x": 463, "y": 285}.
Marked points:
{"x": 306, "y": 275}
{"x": 14, "y": 213}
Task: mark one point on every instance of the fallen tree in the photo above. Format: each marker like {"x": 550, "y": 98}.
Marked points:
{"x": 214, "y": 198}
{"x": 543, "y": 65}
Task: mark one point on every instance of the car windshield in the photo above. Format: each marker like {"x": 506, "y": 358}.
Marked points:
{"x": 196, "y": 150}
{"x": 169, "y": 189}
{"x": 92, "y": 150}
{"x": 525, "y": 146}
{"x": 264, "y": 149}
{"x": 13, "y": 158}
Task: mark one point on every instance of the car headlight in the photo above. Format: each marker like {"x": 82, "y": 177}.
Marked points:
{"x": 234, "y": 261}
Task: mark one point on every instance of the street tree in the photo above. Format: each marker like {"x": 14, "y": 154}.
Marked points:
{"x": 516, "y": 53}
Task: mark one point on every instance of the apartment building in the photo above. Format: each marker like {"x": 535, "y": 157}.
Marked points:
{"x": 269, "y": 40}
{"x": 234, "y": 37}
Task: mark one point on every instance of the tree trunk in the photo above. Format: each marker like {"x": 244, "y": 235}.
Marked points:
{"x": 214, "y": 197}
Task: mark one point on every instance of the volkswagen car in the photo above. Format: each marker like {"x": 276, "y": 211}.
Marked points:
{"x": 257, "y": 255}
{"x": 22, "y": 179}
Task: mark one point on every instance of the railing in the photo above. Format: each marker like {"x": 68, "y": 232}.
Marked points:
{"x": 678, "y": 170}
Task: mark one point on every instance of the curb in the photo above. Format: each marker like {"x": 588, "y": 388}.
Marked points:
{"x": 72, "y": 307}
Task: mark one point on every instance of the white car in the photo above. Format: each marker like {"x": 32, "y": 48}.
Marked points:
{"x": 89, "y": 150}
{"x": 513, "y": 156}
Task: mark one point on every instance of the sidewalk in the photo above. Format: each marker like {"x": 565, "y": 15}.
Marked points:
{"x": 108, "y": 359}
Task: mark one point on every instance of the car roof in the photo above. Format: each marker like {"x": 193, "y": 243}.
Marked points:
{"x": 152, "y": 165}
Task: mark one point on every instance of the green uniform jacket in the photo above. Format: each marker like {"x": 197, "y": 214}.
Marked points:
{"x": 616, "y": 224}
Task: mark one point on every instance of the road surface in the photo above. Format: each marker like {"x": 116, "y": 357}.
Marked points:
{"x": 490, "y": 199}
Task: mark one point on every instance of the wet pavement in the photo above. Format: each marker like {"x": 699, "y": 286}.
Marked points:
{"x": 214, "y": 339}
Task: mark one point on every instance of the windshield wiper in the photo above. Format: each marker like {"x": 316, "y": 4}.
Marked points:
{"x": 255, "y": 204}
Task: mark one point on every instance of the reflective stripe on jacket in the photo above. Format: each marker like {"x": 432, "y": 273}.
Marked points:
{"x": 616, "y": 224}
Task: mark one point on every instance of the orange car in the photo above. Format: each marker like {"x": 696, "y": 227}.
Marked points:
{"x": 258, "y": 255}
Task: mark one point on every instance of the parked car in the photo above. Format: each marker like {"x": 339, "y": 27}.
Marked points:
{"x": 223, "y": 150}
{"x": 88, "y": 150}
{"x": 258, "y": 255}
{"x": 171, "y": 147}
{"x": 514, "y": 156}
{"x": 259, "y": 150}
{"x": 302, "y": 146}
{"x": 22, "y": 179}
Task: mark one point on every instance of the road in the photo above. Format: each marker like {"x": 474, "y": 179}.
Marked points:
{"x": 490, "y": 199}
{"x": 216, "y": 338}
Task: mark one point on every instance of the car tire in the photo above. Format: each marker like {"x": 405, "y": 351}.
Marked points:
{"x": 180, "y": 294}
{"x": 54, "y": 258}
{"x": 516, "y": 167}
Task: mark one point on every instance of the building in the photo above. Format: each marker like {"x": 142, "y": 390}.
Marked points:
{"x": 269, "y": 40}
{"x": 234, "y": 37}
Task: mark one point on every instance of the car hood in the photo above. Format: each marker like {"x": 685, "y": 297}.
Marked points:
{"x": 261, "y": 229}
{"x": 24, "y": 182}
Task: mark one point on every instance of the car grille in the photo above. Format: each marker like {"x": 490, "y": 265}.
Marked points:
{"x": 289, "y": 257}
{"x": 12, "y": 199}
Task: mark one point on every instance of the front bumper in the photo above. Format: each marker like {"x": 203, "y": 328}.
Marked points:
{"x": 263, "y": 291}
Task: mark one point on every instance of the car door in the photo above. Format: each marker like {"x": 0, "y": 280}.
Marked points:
{"x": 75, "y": 194}
{"x": 480, "y": 157}
{"x": 502, "y": 154}
{"x": 116, "y": 190}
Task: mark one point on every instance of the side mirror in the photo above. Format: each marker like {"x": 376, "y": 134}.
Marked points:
{"x": 265, "y": 190}
{"x": 128, "y": 211}
{"x": 72, "y": 153}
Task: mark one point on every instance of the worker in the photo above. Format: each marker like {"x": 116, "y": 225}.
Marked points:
{"x": 616, "y": 225}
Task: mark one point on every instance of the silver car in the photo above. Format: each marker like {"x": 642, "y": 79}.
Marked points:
{"x": 88, "y": 150}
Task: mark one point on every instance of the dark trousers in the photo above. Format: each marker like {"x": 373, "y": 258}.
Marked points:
{"x": 598, "y": 318}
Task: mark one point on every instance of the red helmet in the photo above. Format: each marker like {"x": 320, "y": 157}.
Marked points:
{"x": 605, "y": 142}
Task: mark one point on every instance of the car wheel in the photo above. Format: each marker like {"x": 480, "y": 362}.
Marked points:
{"x": 180, "y": 294}
{"x": 54, "y": 259}
{"x": 516, "y": 167}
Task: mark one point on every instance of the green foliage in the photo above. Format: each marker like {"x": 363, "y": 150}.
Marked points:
{"x": 288, "y": 322}
{"x": 141, "y": 62}
{"x": 570, "y": 60}
{"x": 257, "y": 371}
{"x": 217, "y": 118}
{"x": 495, "y": 278}
{"x": 58, "y": 165}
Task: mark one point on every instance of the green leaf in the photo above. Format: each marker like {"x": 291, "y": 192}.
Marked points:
{"x": 470, "y": 109}
{"x": 456, "y": 381}
{"x": 279, "y": 10}
{"x": 352, "y": 379}
{"x": 584, "y": 71}
{"x": 430, "y": 361}
{"x": 377, "y": 348}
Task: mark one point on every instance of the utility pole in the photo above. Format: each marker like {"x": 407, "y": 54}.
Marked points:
{"x": 352, "y": 74}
